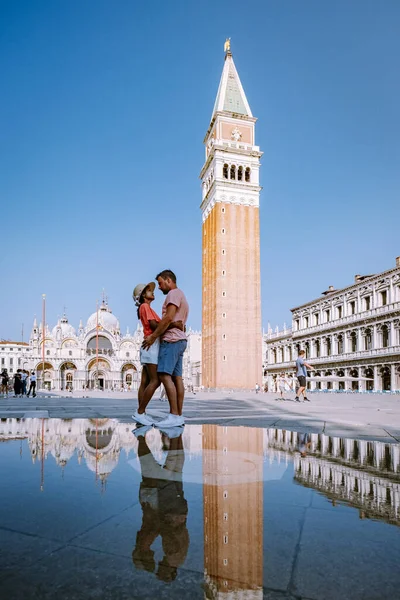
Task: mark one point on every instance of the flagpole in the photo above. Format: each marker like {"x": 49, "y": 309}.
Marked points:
{"x": 97, "y": 344}
{"x": 43, "y": 333}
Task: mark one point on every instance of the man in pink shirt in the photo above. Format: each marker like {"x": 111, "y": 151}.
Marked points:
{"x": 172, "y": 347}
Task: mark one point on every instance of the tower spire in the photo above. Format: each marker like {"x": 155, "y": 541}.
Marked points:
{"x": 230, "y": 96}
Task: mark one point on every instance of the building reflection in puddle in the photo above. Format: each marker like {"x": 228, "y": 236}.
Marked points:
{"x": 364, "y": 474}
{"x": 232, "y": 465}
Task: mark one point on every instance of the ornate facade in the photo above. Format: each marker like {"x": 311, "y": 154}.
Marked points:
{"x": 352, "y": 332}
{"x": 231, "y": 326}
{"x": 96, "y": 355}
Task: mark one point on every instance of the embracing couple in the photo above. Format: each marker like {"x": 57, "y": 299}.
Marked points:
{"x": 161, "y": 354}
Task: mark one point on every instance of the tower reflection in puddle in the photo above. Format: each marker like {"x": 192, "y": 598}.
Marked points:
{"x": 233, "y": 511}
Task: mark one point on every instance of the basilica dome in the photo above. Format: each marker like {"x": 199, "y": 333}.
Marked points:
{"x": 107, "y": 320}
{"x": 66, "y": 329}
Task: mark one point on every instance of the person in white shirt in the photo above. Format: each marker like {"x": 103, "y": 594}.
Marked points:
{"x": 32, "y": 386}
{"x": 283, "y": 385}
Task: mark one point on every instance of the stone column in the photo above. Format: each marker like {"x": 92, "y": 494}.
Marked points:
{"x": 374, "y": 337}
{"x": 392, "y": 334}
{"x": 335, "y": 384}
{"x": 377, "y": 385}
{"x": 393, "y": 378}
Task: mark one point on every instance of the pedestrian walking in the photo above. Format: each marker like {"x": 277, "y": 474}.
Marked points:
{"x": 17, "y": 383}
{"x": 172, "y": 347}
{"x": 283, "y": 385}
{"x": 143, "y": 295}
{"x": 4, "y": 383}
{"x": 32, "y": 385}
{"x": 24, "y": 377}
{"x": 257, "y": 388}
{"x": 301, "y": 373}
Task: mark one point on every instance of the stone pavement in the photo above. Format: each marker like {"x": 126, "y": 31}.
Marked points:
{"x": 362, "y": 416}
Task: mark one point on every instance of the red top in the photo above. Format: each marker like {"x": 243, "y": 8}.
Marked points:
{"x": 146, "y": 314}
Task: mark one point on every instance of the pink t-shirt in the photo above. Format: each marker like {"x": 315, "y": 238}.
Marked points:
{"x": 176, "y": 297}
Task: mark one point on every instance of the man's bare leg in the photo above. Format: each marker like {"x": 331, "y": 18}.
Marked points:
{"x": 300, "y": 391}
{"x": 170, "y": 389}
{"x": 180, "y": 393}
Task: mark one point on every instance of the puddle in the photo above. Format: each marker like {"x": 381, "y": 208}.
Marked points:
{"x": 91, "y": 510}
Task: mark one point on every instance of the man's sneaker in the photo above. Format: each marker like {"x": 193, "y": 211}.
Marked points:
{"x": 306, "y": 399}
{"x": 171, "y": 421}
{"x": 143, "y": 419}
{"x": 172, "y": 432}
{"x": 297, "y": 399}
{"x": 142, "y": 430}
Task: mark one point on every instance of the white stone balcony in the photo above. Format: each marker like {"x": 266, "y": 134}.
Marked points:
{"x": 349, "y": 320}
{"x": 341, "y": 358}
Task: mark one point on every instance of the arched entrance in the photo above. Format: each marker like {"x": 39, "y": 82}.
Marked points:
{"x": 340, "y": 373}
{"x": 46, "y": 382}
{"x": 317, "y": 383}
{"x": 369, "y": 385}
{"x": 328, "y": 383}
{"x": 386, "y": 379}
{"x": 129, "y": 377}
{"x": 354, "y": 384}
{"x": 98, "y": 374}
{"x": 67, "y": 373}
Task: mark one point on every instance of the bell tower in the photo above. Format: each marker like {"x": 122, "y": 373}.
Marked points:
{"x": 231, "y": 297}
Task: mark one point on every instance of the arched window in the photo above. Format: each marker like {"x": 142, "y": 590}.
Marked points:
{"x": 247, "y": 174}
{"x": 317, "y": 348}
{"x": 127, "y": 354}
{"x": 225, "y": 171}
{"x": 69, "y": 378}
{"x": 128, "y": 378}
{"x": 385, "y": 336}
{"x": 368, "y": 340}
{"x": 48, "y": 353}
{"x": 240, "y": 174}
{"x": 70, "y": 353}
{"x": 340, "y": 344}
{"x": 233, "y": 172}
{"x": 328, "y": 346}
{"x": 353, "y": 341}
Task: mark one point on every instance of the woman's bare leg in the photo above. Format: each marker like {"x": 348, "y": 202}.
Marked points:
{"x": 143, "y": 384}
{"x": 153, "y": 384}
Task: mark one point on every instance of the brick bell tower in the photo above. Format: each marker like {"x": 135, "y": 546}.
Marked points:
{"x": 231, "y": 315}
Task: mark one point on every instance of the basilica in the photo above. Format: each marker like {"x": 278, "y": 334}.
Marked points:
{"x": 95, "y": 356}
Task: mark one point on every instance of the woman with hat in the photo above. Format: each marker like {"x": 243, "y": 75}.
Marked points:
{"x": 143, "y": 295}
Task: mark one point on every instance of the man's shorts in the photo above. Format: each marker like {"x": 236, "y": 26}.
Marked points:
{"x": 150, "y": 355}
{"x": 302, "y": 380}
{"x": 170, "y": 358}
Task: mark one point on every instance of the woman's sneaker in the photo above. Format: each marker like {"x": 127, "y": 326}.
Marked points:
{"x": 143, "y": 419}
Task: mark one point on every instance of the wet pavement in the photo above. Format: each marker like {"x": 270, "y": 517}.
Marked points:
{"x": 92, "y": 509}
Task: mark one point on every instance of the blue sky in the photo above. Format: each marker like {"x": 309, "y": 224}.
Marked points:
{"x": 104, "y": 107}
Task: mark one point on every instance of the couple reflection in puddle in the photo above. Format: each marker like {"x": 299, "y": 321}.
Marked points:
{"x": 164, "y": 509}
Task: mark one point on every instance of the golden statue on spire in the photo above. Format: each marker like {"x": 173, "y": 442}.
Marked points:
{"x": 227, "y": 46}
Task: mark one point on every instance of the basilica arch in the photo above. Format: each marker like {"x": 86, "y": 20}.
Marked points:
{"x": 67, "y": 375}
{"x": 48, "y": 381}
{"x": 129, "y": 376}
{"x": 99, "y": 374}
